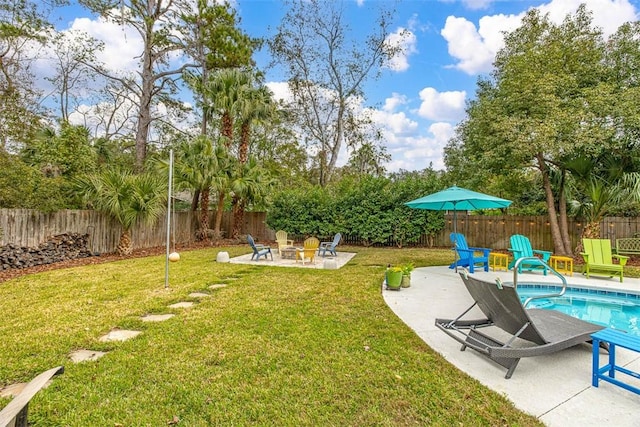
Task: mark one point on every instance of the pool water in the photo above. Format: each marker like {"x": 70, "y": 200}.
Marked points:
{"x": 616, "y": 310}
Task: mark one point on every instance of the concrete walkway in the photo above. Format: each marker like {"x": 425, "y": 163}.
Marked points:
{"x": 555, "y": 388}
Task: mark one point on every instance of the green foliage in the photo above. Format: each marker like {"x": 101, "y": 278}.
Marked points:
{"x": 124, "y": 196}
{"x": 23, "y": 186}
{"x": 371, "y": 208}
{"x": 304, "y": 211}
{"x": 68, "y": 153}
{"x": 407, "y": 268}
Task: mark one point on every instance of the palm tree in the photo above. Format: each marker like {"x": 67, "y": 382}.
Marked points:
{"x": 221, "y": 96}
{"x": 603, "y": 184}
{"x": 255, "y": 104}
{"x": 196, "y": 168}
{"x": 221, "y": 183}
{"x": 250, "y": 185}
{"x": 125, "y": 197}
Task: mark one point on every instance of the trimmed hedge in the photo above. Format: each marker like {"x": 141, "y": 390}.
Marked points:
{"x": 370, "y": 209}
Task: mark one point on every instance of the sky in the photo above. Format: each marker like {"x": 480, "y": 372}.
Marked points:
{"x": 422, "y": 94}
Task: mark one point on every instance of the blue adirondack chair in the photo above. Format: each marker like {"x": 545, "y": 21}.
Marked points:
{"x": 521, "y": 248}
{"x": 330, "y": 246}
{"x": 468, "y": 256}
{"x": 258, "y": 249}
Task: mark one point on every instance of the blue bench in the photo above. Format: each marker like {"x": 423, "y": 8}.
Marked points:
{"x": 607, "y": 372}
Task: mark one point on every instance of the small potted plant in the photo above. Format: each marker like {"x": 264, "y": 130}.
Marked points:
{"x": 406, "y": 274}
{"x": 394, "y": 278}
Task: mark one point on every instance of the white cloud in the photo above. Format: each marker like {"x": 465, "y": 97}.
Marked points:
{"x": 419, "y": 151}
{"x": 281, "y": 91}
{"x": 607, "y": 14}
{"x": 406, "y": 40}
{"x": 122, "y": 45}
{"x": 477, "y": 4}
{"x": 396, "y": 100}
{"x": 397, "y": 124}
{"x": 442, "y": 106}
{"x": 474, "y": 48}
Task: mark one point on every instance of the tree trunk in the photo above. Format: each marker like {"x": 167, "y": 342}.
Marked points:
{"x": 558, "y": 244}
{"x": 238, "y": 217}
{"x": 146, "y": 95}
{"x": 203, "y": 233}
{"x": 564, "y": 221}
{"x": 243, "y": 151}
{"x": 227, "y": 129}
{"x": 125, "y": 246}
{"x": 194, "y": 201}
{"x": 219, "y": 211}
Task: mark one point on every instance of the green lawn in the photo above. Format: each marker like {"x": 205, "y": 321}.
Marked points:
{"x": 277, "y": 346}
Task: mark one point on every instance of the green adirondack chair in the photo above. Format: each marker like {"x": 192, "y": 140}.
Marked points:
{"x": 598, "y": 259}
{"x": 521, "y": 248}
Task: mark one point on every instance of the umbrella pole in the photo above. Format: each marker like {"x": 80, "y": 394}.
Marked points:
{"x": 455, "y": 251}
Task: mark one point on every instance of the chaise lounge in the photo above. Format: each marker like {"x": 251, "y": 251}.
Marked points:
{"x": 533, "y": 332}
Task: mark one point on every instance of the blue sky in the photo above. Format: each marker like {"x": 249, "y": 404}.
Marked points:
{"x": 422, "y": 97}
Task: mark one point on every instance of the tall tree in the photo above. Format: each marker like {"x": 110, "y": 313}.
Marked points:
{"x": 158, "y": 23}
{"x": 255, "y": 105}
{"x": 72, "y": 78}
{"x": 327, "y": 67}
{"x": 214, "y": 42}
{"x": 250, "y": 184}
{"x": 23, "y": 26}
{"x": 542, "y": 106}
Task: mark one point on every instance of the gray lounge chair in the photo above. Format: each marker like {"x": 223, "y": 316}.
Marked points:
{"x": 533, "y": 332}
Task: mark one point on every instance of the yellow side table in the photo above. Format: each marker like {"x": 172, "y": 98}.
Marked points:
{"x": 562, "y": 264}
{"x": 498, "y": 261}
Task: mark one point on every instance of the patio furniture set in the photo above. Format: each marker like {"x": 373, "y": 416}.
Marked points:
{"x": 598, "y": 257}
{"x": 288, "y": 250}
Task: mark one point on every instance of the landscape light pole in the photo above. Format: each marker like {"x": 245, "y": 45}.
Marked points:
{"x": 166, "y": 263}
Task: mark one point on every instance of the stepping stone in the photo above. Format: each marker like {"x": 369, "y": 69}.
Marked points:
{"x": 184, "y": 304}
{"x": 218, "y": 286}
{"x": 156, "y": 317}
{"x": 199, "y": 295}
{"x": 12, "y": 390}
{"x": 119, "y": 335}
{"x": 85, "y": 355}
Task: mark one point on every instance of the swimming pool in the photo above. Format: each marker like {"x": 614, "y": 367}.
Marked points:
{"x": 617, "y": 310}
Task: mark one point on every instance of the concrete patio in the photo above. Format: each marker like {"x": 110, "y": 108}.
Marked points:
{"x": 555, "y": 388}
{"x": 328, "y": 262}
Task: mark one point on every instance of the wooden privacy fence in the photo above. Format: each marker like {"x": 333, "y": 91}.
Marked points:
{"x": 494, "y": 231}
{"x": 29, "y": 228}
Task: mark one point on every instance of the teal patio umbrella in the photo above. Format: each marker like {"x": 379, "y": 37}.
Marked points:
{"x": 458, "y": 199}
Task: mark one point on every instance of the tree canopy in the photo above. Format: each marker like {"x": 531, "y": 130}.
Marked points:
{"x": 552, "y": 97}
